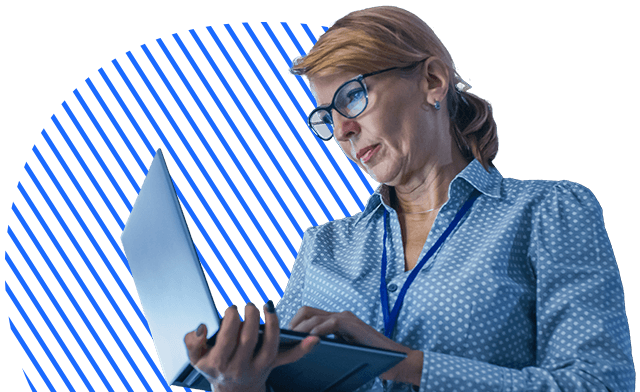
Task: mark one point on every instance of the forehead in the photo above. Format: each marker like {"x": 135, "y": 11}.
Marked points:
{"x": 323, "y": 87}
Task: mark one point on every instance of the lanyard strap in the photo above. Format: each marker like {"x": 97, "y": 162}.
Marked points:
{"x": 391, "y": 319}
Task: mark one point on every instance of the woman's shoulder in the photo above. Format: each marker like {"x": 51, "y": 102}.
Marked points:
{"x": 542, "y": 187}
{"x": 339, "y": 227}
{"x": 564, "y": 192}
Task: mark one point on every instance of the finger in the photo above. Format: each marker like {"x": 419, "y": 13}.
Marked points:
{"x": 196, "y": 342}
{"x": 304, "y": 313}
{"x": 220, "y": 354}
{"x": 297, "y": 352}
{"x": 248, "y": 335}
{"x": 270, "y": 338}
{"x": 306, "y": 326}
{"x": 329, "y": 326}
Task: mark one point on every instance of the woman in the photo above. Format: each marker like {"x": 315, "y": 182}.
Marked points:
{"x": 486, "y": 283}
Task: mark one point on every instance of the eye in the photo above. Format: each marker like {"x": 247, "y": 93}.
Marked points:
{"x": 356, "y": 101}
{"x": 326, "y": 118}
{"x": 355, "y": 94}
{"x": 351, "y": 99}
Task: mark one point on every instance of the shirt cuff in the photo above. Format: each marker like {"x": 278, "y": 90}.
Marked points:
{"x": 444, "y": 372}
{"x": 426, "y": 359}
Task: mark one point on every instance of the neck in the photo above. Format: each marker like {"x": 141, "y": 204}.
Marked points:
{"x": 428, "y": 192}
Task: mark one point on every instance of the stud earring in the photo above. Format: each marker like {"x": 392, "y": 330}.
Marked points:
{"x": 437, "y": 105}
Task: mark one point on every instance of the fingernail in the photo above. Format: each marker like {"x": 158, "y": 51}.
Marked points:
{"x": 200, "y": 330}
{"x": 313, "y": 339}
{"x": 250, "y": 304}
{"x": 270, "y": 307}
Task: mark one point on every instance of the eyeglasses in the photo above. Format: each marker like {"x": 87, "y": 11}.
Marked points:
{"x": 350, "y": 100}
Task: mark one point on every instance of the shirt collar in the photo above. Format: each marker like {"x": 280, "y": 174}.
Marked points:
{"x": 474, "y": 174}
{"x": 489, "y": 183}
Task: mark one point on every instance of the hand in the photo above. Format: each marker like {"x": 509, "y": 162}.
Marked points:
{"x": 233, "y": 364}
{"x": 347, "y": 326}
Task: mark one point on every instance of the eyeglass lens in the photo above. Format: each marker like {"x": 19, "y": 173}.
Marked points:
{"x": 350, "y": 100}
{"x": 322, "y": 124}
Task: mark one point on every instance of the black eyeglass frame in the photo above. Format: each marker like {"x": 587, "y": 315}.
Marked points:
{"x": 360, "y": 80}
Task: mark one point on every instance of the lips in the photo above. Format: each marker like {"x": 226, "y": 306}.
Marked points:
{"x": 365, "y": 154}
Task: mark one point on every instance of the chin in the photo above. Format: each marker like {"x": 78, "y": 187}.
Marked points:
{"x": 382, "y": 173}
{"x": 382, "y": 178}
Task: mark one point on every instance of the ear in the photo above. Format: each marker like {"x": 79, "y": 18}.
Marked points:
{"x": 435, "y": 80}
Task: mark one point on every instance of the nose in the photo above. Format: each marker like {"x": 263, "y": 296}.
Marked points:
{"x": 344, "y": 128}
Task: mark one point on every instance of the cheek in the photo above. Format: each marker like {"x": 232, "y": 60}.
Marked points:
{"x": 390, "y": 121}
{"x": 403, "y": 125}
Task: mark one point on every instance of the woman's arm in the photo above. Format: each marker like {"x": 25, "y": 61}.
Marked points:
{"x": 291, "y": 301}
{"x": 582, "y": 336}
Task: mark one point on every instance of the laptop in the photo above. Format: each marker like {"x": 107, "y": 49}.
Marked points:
{"x": 176, "y": 299}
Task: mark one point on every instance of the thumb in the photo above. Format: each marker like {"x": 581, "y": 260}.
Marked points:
{"x": 297, "y": 352}
{"x": 196, "y": 342}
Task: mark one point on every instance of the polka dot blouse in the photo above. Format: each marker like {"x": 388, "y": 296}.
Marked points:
{"x": 524, "y": 295}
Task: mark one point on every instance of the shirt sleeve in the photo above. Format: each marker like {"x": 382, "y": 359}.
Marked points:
{"x": 291, "y": 301}
{"x": 582, "y": 334}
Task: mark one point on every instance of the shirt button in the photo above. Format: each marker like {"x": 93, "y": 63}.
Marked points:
{"x": 392, "y": 287}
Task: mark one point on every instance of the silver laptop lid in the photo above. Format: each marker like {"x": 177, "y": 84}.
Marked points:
{"x": 168, "y": 276}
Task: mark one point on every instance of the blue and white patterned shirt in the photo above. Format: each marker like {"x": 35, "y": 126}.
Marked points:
{"x": 524, "y": 295}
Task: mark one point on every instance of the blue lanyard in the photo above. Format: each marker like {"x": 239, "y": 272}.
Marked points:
{"x": 391, "y": 319}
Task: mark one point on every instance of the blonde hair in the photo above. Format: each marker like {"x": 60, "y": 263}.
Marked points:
{"x": 383, "y": 37}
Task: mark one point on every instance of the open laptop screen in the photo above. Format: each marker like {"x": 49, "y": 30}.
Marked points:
{"x": 169, "y": 279}
{"x": 175, "y": 299}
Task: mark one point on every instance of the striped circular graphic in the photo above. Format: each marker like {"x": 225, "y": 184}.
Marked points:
{"x": 250, "y": 175}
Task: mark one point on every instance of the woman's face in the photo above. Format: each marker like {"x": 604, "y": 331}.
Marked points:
{"x": 397, "y": 137}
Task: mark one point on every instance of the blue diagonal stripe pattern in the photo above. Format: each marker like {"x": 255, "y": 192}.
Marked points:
{"x": 248, "y": 172}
